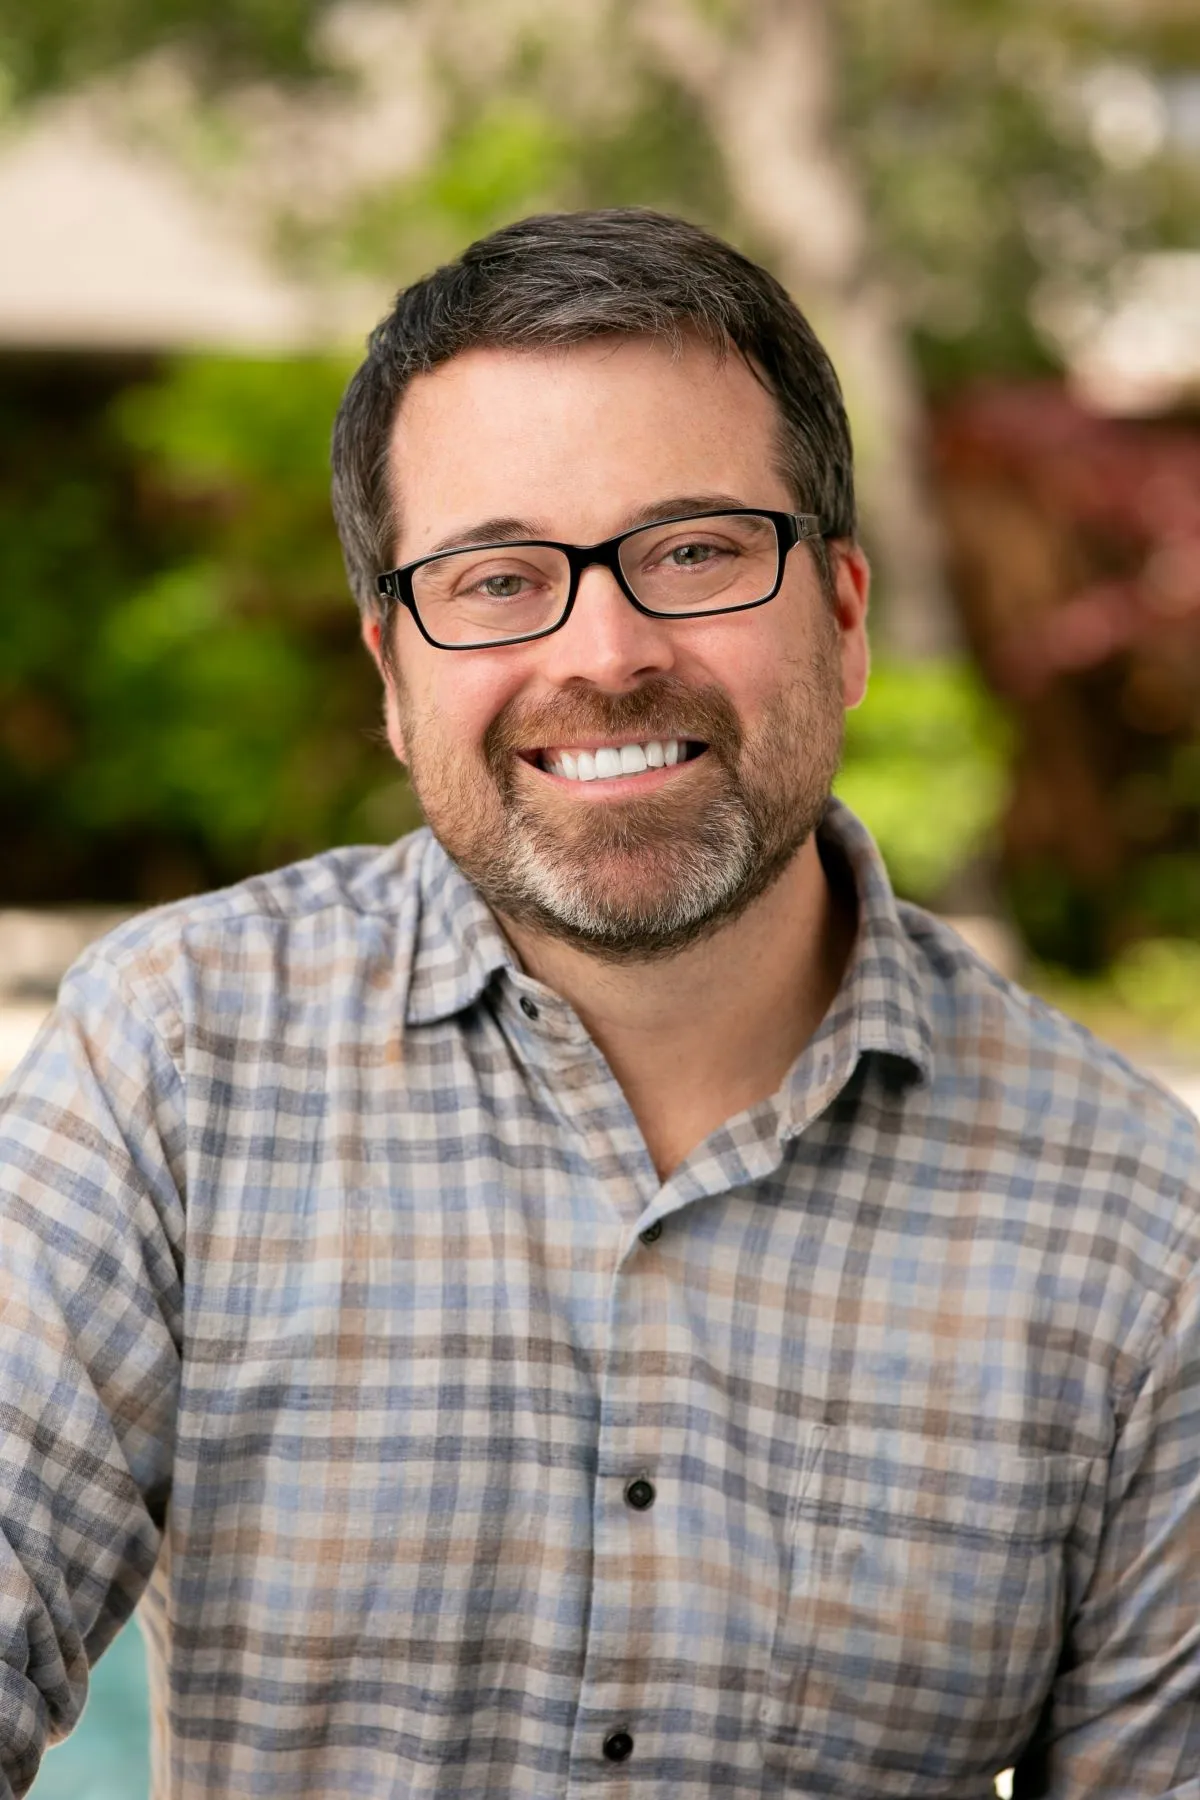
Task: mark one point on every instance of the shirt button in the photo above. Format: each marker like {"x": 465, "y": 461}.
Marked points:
{"x": 618, "y": 1745}
{"x": 529, "y": 1007}
{"x": 639, "y": 1493}
{"x": 652, "y": 1233}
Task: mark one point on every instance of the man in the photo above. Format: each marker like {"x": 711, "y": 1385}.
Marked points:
{"x": 597, "y": 1297}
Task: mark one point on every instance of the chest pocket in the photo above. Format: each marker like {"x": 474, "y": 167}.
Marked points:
{"x": 922, "y": 1620}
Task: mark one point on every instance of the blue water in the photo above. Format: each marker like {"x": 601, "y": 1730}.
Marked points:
{"x": 107, "y": 1757}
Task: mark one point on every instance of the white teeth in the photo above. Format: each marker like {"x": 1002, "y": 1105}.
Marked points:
{"x": 609, "y": 763}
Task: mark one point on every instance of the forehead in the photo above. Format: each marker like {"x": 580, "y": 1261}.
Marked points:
{"x": 573, "y": 437}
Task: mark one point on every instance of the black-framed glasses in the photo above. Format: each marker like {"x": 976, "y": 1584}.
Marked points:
{"x": 684, "y": 568}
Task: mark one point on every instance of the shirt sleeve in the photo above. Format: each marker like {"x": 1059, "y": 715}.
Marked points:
{"x": 91, "y": 1234}
{"x": 1124, "y": 1715}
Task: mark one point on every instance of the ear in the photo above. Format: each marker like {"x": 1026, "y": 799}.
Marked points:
{"x": 372, "y": 630}
{"x": 852, "y": 592}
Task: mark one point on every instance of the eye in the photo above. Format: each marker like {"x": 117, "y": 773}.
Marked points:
{"x": 694, "y": 553}
{"x": 688, "y": 556}
{"x": 501, "y": 587}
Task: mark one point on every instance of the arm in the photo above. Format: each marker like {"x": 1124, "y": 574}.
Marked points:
{"x": 1124, "y": 1716}
{"x": 91, "y": 1231}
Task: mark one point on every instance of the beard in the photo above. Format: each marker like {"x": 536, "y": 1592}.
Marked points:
{"x": 643, "y": 877}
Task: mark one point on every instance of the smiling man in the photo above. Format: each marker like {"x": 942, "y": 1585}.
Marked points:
{"x": 634, "y": 749}
{"x": 598, "y": 1298}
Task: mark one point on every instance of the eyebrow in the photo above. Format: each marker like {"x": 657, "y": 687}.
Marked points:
{"x": 486, "y": 531}
{"x": 510, "y": 530}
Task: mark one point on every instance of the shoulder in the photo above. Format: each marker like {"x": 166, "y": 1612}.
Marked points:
{"x": 984, "y": 1020}
{"x": 315, "y": 913}
{"x": 1062, "y": 1110}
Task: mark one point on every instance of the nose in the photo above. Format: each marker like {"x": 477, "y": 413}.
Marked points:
{"x": 606, "y": 642}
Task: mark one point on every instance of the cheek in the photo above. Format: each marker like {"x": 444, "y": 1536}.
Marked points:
{"x": 449, "y": 704}
{"x": 759, "y": 674}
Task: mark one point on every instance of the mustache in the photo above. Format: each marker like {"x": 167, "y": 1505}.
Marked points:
{"x": 659, "y": 708}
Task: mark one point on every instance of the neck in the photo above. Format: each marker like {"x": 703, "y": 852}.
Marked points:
{"x": 696, "y": 1037}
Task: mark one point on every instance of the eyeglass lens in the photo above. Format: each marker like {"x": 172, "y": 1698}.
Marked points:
{"x": 495, "y": 592}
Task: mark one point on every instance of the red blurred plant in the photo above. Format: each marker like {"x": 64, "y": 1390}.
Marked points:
{"x": 1075, "y": 559}
{"x": 1132, "y": 493}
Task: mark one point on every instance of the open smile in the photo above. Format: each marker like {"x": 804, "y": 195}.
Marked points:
{"x": 615, "y": 762}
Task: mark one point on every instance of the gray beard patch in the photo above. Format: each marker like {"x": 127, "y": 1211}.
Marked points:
{"x": 643, "y": 878}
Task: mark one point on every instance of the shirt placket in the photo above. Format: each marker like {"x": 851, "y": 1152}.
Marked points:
{"x": 635, "y": 1524}
{"x": 649, "y": 1606}
{"x": 628, "y": 1511}
{"x": 554, "y": 1045}
{"x": 646, "y": 1602}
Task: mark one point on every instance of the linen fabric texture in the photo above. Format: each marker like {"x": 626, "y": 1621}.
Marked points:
{"x": 328, "y": 1334}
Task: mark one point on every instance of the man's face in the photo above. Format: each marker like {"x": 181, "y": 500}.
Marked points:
{"x": 574, "y": 446}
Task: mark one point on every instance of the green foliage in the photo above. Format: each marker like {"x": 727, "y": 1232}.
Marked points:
{"x": 1072, "y": 926}
{"x": 184, "y": 694}
{"x": 495, "y": 163}
{"x": 925, "y": 767}
{"x": 1150, "y": 995}
{"x": 1159, "y": 981}
{"x": 48, "y": 45}
{"x": 521, "y": 150}
{"x": 245, "y": 443}
{"x": 1064, "y": 923}
{"x": 969, "y": 122}
{"x": 656, "y": 152}
{"x": 240, "y": 667}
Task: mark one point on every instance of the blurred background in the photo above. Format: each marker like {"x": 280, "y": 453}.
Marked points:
{"x": 990, "y": 210}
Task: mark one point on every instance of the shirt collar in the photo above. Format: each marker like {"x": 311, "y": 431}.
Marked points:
{"x": 459, "y": 945}
{"x": 881, "y": 1004}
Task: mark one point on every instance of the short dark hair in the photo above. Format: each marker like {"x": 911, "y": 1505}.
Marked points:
{"x": 561, "y": 279}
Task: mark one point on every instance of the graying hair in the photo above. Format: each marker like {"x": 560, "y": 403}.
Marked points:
{"x": 561, "y": 279}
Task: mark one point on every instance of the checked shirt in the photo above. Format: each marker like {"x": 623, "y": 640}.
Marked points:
{"x": 346, "y": 1326}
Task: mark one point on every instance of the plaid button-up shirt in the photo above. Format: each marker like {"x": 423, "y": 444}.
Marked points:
{"x": 342, "y": 1306}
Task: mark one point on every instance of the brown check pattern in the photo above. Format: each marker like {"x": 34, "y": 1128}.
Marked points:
{"x": 336, "y": 1320}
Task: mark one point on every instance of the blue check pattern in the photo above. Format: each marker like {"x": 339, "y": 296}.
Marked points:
{"x": 340, "y": 1305}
